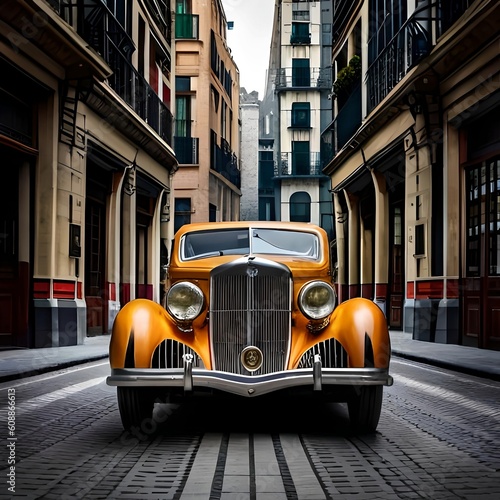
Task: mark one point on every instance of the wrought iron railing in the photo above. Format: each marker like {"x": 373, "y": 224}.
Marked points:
{"x": 225, "y": 162}
{"x": 286, "y": 78}
{"x": 298, "y": 164}
{"x": 409, "y": 46}
{"x": 342, "y": 128}
{"x": 97, "y": 25}
{"x": 300, "y": 39}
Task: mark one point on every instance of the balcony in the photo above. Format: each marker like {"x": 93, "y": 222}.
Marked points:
{"x": 343, "y": 127}
{"x": 97, "y": 25}
{"x": 304, "y": 78}
{"x": 139, "y": 95}
{"x": 187, "y": 26}
{"x": 293, "y": 164}
{"x": 225, "y": 162}
{"x": 300, "y": 39}
{"x": 186, "y": 150}
{"x": 409, "y": 46}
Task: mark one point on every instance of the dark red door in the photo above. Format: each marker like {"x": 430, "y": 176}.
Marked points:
{"x": 95, "y": 278}
{"x": 481, "y": 283}
{"x": 396, "y": 275}
{"x": 14, "y": 268}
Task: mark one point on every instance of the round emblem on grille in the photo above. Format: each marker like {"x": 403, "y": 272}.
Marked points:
{"x": 251, "y": 358}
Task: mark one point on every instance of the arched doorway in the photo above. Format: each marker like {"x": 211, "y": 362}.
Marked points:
{"x": 300, "y": 207}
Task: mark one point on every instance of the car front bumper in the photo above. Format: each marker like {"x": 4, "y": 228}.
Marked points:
{"x": 191, "y": 378}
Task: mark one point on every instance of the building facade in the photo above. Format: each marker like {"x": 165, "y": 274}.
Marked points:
{"x": 294, "y": 111}
{"x": 414, "y": 162}
{"x": 87, "y": 152}
{"x": 207, "y": 130}
{"x": 249, "y": 155}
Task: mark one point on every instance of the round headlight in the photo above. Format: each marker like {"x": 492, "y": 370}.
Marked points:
{"x": 317, "y": 300}
{"x": 184, "y": 301}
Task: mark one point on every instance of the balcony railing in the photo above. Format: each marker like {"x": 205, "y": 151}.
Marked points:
{"x": 187, "y": 26}
{"x": 300, "y": 39}
{"x": 342, "y": 128}
{"x": 139, "y": 95}
{"x": 225, "y": 162}
{"x": 101, "y": 30}
{"x": 298, "y": 164}
{"x": 449, "y": 13}
{"x": 288, "y": 78}
{"x": 186, "y": 150}
{"x": 412, "y": 43}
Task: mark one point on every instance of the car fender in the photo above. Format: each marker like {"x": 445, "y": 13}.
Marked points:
{"x": 350, "y": 323}
{"x": 140, "y": 326}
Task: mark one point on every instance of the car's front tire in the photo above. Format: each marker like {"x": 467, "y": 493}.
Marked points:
{"x": 136, "y": 406}
{"x": 364, "y": 408}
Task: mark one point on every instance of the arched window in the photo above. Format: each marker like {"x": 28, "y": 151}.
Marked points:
{"x": 300, "y": 207}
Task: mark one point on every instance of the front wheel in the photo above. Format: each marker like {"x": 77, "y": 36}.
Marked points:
{"x": 136, "y": 406}
{"x": 364, "y": 407}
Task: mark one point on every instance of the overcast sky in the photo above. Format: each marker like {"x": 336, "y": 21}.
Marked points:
{"x": 250, "y": 40}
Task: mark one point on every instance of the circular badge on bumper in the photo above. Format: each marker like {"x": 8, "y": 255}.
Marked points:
{"x": 251, "y": 358}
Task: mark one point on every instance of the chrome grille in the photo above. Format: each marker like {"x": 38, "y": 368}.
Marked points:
{"x": 333, "y": 355}
{"x": 169, "y": 354}
{"x": 250, "y": 302}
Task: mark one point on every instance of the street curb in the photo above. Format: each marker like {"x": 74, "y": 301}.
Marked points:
{"x": 448, "y": 365}
{"x": 50, "y": 368}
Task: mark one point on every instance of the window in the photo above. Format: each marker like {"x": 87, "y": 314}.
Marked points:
{"x": 182, "y": 83}
{"x": 183, "y": 116}
{"x": 300, "y": 158}
{"x": 386, "y": 18}
{"x": 212, "y": 213}
{"x": 300, "y": 11}
{"x": 419, "y": 240}
{"x": 301, "y": 114}
{"x": 183, "y": 6}
{"x": 301, "y": 73}
{"x": 121, "y": 10}
{"x": 300, "y": 207}
{"x": 182, "y": 212}
{"x": 300, "y": 33}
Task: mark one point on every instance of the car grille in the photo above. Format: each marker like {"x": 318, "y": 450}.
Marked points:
{"x": 250, "y": 302}
{"x": 169, "y": 354}
{"x": 333, "y": 355}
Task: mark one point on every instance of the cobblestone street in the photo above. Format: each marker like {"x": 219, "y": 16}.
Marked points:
{"x": 437, "y": 438}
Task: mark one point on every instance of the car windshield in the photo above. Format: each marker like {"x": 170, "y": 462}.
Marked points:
{"x": 201, "y": 244}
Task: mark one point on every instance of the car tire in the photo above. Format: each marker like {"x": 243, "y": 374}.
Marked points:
{"x": 364, "y": 408}
{"x": 136, "y": 406}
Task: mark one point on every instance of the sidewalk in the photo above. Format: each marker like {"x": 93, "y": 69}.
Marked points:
{"x": 19, "y": 363}
{"x": 479, "y": 362}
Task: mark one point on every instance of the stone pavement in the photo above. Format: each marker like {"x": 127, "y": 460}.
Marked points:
{"x": 19, "y": 363}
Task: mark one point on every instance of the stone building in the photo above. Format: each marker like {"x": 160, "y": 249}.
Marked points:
{"x": 207, "y": 185}
{"x": 294, "y": 111}
{"x": 414, "y": 160}
{"x": 87, "y": 157}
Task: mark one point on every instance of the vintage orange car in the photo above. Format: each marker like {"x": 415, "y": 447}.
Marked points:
{"x": 250, "y": 308}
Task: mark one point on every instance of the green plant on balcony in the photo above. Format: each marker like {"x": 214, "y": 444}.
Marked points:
{"x": 347, "y": 77}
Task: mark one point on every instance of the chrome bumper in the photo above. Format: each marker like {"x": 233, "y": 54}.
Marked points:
{"x": 191, "y": 378}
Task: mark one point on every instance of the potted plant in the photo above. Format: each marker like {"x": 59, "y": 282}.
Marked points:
{"x": 347, "y": 78}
